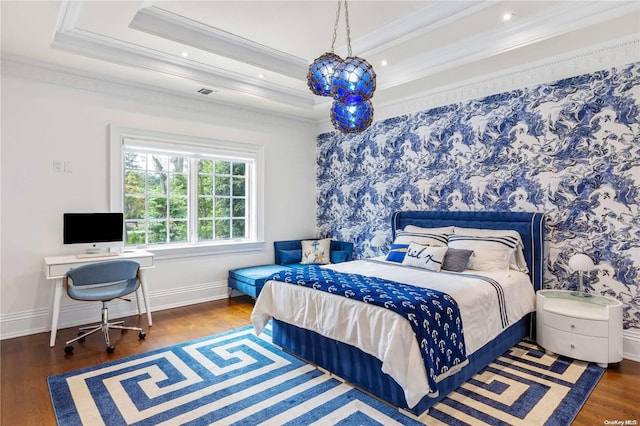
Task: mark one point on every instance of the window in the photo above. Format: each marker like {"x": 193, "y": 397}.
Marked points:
{"x": 180, "y": 192}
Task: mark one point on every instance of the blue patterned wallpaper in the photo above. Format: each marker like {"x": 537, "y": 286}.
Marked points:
{"x": 570, "y": 148}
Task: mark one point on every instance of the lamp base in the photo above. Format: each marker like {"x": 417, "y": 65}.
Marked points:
{"x": 581, "y": 294}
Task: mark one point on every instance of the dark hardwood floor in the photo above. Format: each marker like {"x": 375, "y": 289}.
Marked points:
{"x": 26, "y": 362}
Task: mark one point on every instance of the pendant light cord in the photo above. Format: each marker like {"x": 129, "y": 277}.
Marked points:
{"x": 346, "y": 16}
{"x": 335, "y": 27}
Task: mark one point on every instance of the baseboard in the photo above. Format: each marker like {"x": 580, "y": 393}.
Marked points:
{"x": 631, "y": 344}
{"x": 74, "y": 313}
{"x": 78, "y": 313}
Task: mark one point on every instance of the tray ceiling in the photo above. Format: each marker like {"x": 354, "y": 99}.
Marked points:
{"x": 256, "y": 53}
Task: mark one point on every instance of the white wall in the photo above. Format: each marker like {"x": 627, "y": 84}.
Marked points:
{"x": 43, "y": 122}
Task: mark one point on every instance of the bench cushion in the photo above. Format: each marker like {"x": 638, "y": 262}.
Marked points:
{"x": 250, "y": 280}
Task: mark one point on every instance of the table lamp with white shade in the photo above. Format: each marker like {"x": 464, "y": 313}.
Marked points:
{"x": 581, "y": 262}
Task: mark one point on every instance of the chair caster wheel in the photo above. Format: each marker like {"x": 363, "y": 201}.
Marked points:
{"x": 110, "y": 349}
{"x": 142, "y": 335}
{"x": 68, "y": 349}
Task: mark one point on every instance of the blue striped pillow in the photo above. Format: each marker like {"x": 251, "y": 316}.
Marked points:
{"x": 518, "y": 261}
{"x": 490, "y": 253}
{"x": 404, "y": 238}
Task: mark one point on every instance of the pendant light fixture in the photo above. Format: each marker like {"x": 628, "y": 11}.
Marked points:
{"x": 351, "y": 117}
{"x": 351, "y": 82}
{"x": 321, "y": 70}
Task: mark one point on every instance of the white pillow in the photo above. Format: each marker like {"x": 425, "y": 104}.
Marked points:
{"x": 316, "y": 252}
{"x": 441, "y": 230}
{"x": 414, "y": 234}
{"x": 490, "y": 253}
{"x": 430, "y": 239}
{"x": 517, "y": 260}
{"x": 426, "y": 257}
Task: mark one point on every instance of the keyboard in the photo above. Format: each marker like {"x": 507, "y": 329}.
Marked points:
{"x": 93, "y": 255}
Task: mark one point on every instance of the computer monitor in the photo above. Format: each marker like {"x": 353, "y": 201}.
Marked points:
{"x": 97, "y": 231}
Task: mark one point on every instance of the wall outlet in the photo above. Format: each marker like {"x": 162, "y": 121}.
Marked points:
{"x": 57, "y": 166}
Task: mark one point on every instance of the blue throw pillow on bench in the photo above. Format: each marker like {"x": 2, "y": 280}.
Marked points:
{"x": 290, "y": 256}
{"x": 338, "y": 256}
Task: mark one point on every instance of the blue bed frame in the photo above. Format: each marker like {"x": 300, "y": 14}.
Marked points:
{"x": 364, "y": 370}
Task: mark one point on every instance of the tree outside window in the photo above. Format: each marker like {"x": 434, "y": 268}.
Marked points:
{"x": 170, "y": 198}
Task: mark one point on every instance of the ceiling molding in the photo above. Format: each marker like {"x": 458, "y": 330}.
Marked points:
{"x": 25, "y": 68}
{"x": 160, "y": 22}
{"x": 86, "y": 43}
{"x": 429, "y": 18}
{"x": 67, "y": 15}
{"x": 561, "y": 19}
{"x": 108, "y": 49}
{"x": 617, "y": 53}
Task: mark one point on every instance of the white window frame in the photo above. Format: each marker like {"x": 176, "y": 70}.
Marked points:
{"x": 193, "y": 144}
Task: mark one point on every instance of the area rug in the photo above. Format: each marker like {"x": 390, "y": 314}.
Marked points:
{"x": 238, "y": 378}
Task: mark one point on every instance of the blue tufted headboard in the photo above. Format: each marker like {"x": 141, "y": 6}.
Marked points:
{"x": 530, "y": 226}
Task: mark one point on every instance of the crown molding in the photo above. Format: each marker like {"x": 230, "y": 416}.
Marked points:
{"x": 25, "y": 68}
{"x": 160, "y": 22}
{"x": 561, "y": 19}
{"x": 422, "y": 21}
{"x": 151, "y": 18}
{"x": 86, "y": 43}
{"x": 108, "y": 49}
{"x": 595, "y": 58}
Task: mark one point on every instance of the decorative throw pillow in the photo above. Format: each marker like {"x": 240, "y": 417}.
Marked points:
{"x": 489, "y": 253}
{"x": 316, "y": 252}
{"x": 338, "y": 256}
{"x": 426, "y": 257}
{"x": 456, "y": 260}
{"x": 397, "y": 252}
{"x": 404, "y": 238}
{"x": 288, "y": 257}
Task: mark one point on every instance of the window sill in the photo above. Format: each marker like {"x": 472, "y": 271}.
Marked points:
{"x": 191, "y": 250}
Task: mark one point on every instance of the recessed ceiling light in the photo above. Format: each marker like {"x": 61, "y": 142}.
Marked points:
{"x": 185, "y": 54}
{"x": 384, "y": 63}
{"x": 507, "y": 16}
{"x": 260, "y": 76}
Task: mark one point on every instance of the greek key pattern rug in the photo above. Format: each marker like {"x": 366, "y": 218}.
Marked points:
{"x": 237, "y": 378}
{"x": 524, "y": 386}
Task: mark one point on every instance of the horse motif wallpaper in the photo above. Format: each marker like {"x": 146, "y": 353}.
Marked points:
{"x": 570, "y": 148}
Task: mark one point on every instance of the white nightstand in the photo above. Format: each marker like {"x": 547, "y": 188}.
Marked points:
{"x": 586, "y": 328}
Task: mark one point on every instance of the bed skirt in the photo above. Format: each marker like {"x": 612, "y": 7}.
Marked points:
{"x": 364, "y": 370}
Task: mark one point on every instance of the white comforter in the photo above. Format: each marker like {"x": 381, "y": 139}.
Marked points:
{"x": 385, "y": 334}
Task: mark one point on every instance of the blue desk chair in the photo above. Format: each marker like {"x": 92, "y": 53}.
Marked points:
{"x": 103, "y": 281}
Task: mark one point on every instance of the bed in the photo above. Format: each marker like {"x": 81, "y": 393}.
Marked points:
{"x": 369, "y": 347}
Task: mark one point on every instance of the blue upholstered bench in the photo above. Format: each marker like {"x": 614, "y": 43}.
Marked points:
{"x": 290, "y": 252}
{"x": 250, "y": 280}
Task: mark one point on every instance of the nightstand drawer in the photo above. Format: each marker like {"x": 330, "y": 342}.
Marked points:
{"x": 576, "y": 325}
{"x": 594, "y": 349}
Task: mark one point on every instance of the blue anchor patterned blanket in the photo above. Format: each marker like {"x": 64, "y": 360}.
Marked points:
{"x": 434, "y": 316}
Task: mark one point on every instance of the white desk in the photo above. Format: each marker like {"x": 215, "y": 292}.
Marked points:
{"x": 56, "y": 267}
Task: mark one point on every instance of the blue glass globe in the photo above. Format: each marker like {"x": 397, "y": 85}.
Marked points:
{"x": 353, "y": 117}
{"x": 354, "y": 77}
{"x": 321, "y": 73}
